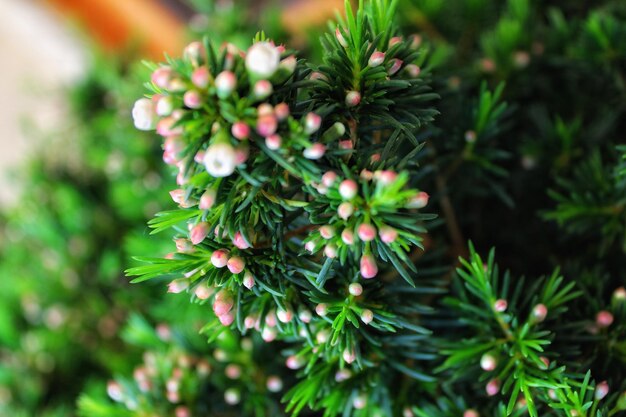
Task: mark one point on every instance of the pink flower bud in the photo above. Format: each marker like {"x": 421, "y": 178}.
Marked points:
{"x": 288, "y": 65}
{"x": 266, "y": 125}
{"x": 274, "y": 383}
{"x": 281, "y": 111}
{"x": 366, "y": 175}
{"x": 396, "y": 64}
{"x": 223, "y": 306}
{"x": 273, "y": 142}
{"x": 240, "y": 242}
{"x": 346, "y": 144}
{"x": 199, "y": 232}
{"x": 269, "y": 334}
{"x": 345, "y": 210}
{"x": 471, "y": 413}
{"x": 321, "y": 309}
{"x": 178, "y": 285}
{"x": 604, "y": 319}
{"x": 347, "y": 236}
{"x": 227, "y": 319}
{"x": 207, "y": 200}
{"x": 318, "y": 76}
{"x": 355, "y": 289}
{"x": 199, "y": 157}
{"x": 192, "y": 99}
{"x": 487, "y": 65}
{"x": 327, "y": 231}
{"x": 330, "y": 251}
{"x": 546, "y": 362}
{"x": 488, "y": 362}
{"x": 177, "y": 85}
{"x": 265, "y": 109}
{"x": 284, "y": 316}
{"x": 294, "y": 362}
{"x": 161, "y": 77}
{"x": 241, "y": 154}
{"x": 310, "y": 246}
{"x": 418, "y": 201}
{"x": 376, "y": 59}
{"x": 413, "y": 70}
{"x": 349, "y": 356}
{"x": 240, "y": 130}
{"x": 500, "y": 305}
{"x": 165, "y": 127}
{"x": 248, "y": 280}
{"x": 249, "y": 322}
{"x": 236, "y": 265}
{"x": 367, "y": 316}
{"x": 164, "y": 106}
{"x": 312, "y": 123}
{"x": 225, "y": 82}
{"x": 202, "y": 292}
{"x": 353, "y": 98}
{"x": 183, "y": 245}
{"x": 270, "y": 319}
{"x": 366, "y": 232}
{"x": 315, "y": 151}
{"x": 340, "y": 38}
{"x": 219, "y": 258}
{"x": 388, "y": 234}
{"x": 193, "y": 52}
{"x": 602, "y": 389}
{"x": 493, "y": 387}
{"x": 263, "y": 89}
{"x": 305, "y": 316}
{"x": 539, "y": 313}
{"x": 329, "y": 178}
{"x": 385, "y": 177}
{"x": 200, "y": 77}
{"x": 470, "y": 136}
{"x": 348, "y": 189}
{"x": 233, "y": 371}
{"x": 182, "y": 411}
{"x": 343, "y": 375}
{"x": 114, "y": 390}
{"x": 359, "y": 402}
{"x": 369, "y": 269}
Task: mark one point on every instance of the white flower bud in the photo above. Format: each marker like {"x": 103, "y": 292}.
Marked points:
{"x": 220, "y": 160}
{"x": 263, "y": 59}
{"x": 144, "y": 114}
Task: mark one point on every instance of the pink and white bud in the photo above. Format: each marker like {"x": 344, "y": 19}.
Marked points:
{"x": 395, "y": 40}
{"x": 161, "y": 77}
{"x": 274, "y": 383}
{"x": 248, "y": 280}
{"x": 233, "y": 371}
{"x": 366, "y": 175}
{"x": 355, "y": 289}
{"x": 413, "y": 70}
{"x": 193, "y": 52}
{"x": 385, "y": 177}
{"x": 312, "y": 123}
{"x": 220, "y": 160}
{"x": 388, "y": 234}
{"x": 315, "y": 151}
{"x": 471, "y": 413}
{"x": 203, "y": 292}
{"x": 183, "y": 245}
{"x": 250, "y": 322}
{"x": 539, "y": 313}
{"x": 493, "y": 387}
{"x": 330, "y": 251}
{"x": 602, "y": 390}
{"x": 265, "y": 109}
{"x": 281, "y": 111}
{"x": 343, "y": 375}
{"x": 604, "y": 319}
{"x": 241, "y": 154}
{"x": 321, "y": 309}
{"x": 348, "y": 189}
{"x": 416, "y": 41}
{"x": 240, "y": 130}
{"x": 232, "y": 396}
{"x": 366, "y": 232}
{"x": 353, "y": 98}
{"x": 223, "y": 306}
{"x": 346, "y": 145}
{"x": 318, "y": 76}
{"x": 376, "y": 59}
{"x": 327, "y": 231}
{"x": 115, "y": 392}
{"x": 263, "y": 89}
{"x": 369, "y": 269}
{"x": 359, "y": 402}
{"x": 227, "y": 319}
{"x": 340, "y": 38}
{"x": 240, "y": 242}
{"x": 266, "y": 125}
{"x": 225, "y": 83}
{"x": 273, "y": 142}
{"x": 322, "y": 336}
{"x": 396, "y": 64}
{"x": 347, "y": 236}
{"x": 144, "y": 115}
{"x": 470, "y": 136}
{"x": 284, "y": 316}
{"x": 178, "y": 285}
{"x": 521, "y": 59}
{"x": 199, "y": 232}
{"x": 367, "y": 316}
{"x": 236, "y": 265}
{"x": 207, "y": 200}
{"x": 200, "y": 77}
{"x": 349, "y": 356}
{"x": 294, "y": 362}
{"x": 270, "y": 319}
{"x": 487, "y": 65}
{"x": 546, "y": 361}
{"x": 269, "y": 334}
{"x": 288, "y": 65}
{"x": 329, "y": 178}
{"x": 418, "y": 201}
{"x": 345, "y": 210}
{"x": 178, "y": 196}
{"x": 182, "y": 411}
{"x": 262, "y": 59}
{"x": 619, "y": 294}
{"x": 199, "y": 157}
{"x": 192, "y": 99}
{"x": 488, "y": 362}
{"x": 164, "y": 106}
{"x": 305, "y": 316}
{"x": 310, "y": 246}
{"x": 500, "y": 305}
{"x": 219, "y": 258}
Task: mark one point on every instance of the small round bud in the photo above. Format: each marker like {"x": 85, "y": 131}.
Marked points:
{"x": 273, "y": 142}
{"x": 493, "y": 387}
{"x": 220, "y": 160}
{"x": 284, "y": 316}
{"x": 487, "y": 65}
{"x": 330, "y": 251}
{"x": 488, "y": 362}
{"x": 294, "y": 362}
{"x": 347, "y": 236}
{"x": 248, "y": 280}
{"x": 114, "y": 390}
{"x": 418, "y": 201}
{"x": 203, "y": 292}
{"x": 321, "y": 309}
{"x": 315, "y": 151}
{"x": 200, "y": 77}
{"x": 396, "y": 65}
{"x": 240, "y": 130}
{"x": 322, "y": 337}
{"x": 207, "y": 200}
{"x": 602, "y": 389}
{"x": 199, "y": 232}
{"x": 345, "y": 210}
{"x": 310, "y": 246}
{"x": 348, "y": 189}
{"x": 266, "y": 125}
{"x": 366, "y": 232}
{"x": 395, "y": 40}
{"x": 249, "y": 322}
{"x": 274, "y": 383}
{"x": 225, "y": 82}
{"x": 619, "y": 294}
{"x": 219, "y": 258}
{"x": 240, "y": 242}
{"x": 353, "y": 98}
{"x": 233, "y": 371}
{"x": 388, "y": 234}
{"x": 376, "y": 59}
{"x": 305, "y": 316}
{"x": 349, "y": 356}
{"x": 164, "y": 106}
{"x": 355, "y": 289}
{"x": 359, "y": 402}
{"x": 312, "y": 123}
{"x": 471, "y": 413}
{"x": 232, "y": 396}
{"x": 521, "y": 59}
{"x": 604, "y": 319}
{"x": 343, "y": 375}
{"x": 329, "y": 178}
{"x": 161, "y": 77}
{"x": 263, "y": 89}
{"x": 236, "y": 265}
{"x": 281, "y": 111}
{"x": 500, "y": 305}
{"x": 367, "y": 316}
{"x": 539, "y": 313}
{"x": 413, "y": 70}
{"x": 385, "y": 177}
{"x": 192, "y": 99}
{"x": 340, "y": 38}
{"x": 369, "y": 269}
{"x": 327, "y": 231}
{"x": 470, "y": 136}
{"x": 144, "y": 114}
{"x": 262, "y": 59}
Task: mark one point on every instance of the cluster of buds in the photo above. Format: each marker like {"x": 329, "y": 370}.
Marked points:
{"x": 223, "y": 307}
